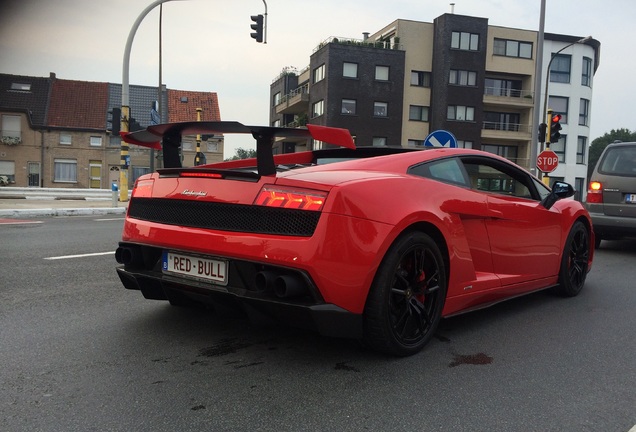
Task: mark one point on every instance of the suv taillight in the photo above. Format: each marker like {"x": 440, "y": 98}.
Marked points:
{"x": 595, "y": 193}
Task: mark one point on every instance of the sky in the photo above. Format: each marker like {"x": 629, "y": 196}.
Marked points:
{"x": 206, "y": 44}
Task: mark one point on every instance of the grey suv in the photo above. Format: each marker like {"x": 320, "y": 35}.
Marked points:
{"x": 611, "y": 194}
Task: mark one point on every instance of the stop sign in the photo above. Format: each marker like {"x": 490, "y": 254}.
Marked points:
{"x": 547, "y": 161}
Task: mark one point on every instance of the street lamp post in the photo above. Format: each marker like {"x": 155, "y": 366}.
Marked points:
{"x": 125, "y": 108}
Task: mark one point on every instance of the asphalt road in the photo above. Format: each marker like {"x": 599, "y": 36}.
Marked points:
{"x": 78, "y": 352}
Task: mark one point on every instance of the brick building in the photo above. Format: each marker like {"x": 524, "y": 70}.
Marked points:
{"x": 58, "y": 133}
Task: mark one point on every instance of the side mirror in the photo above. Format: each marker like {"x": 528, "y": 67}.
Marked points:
{"x": 559, "y": 191}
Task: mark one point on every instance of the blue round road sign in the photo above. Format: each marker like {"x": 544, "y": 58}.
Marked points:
{"x": 440, "y": 138}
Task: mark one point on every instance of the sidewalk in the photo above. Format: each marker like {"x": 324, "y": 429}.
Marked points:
{"x": 30, "y": 203}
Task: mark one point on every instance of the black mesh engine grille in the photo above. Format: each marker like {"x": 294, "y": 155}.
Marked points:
{"x": 225, "y": 217}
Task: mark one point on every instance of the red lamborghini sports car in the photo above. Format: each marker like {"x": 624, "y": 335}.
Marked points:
{"x": 372, "y": 243}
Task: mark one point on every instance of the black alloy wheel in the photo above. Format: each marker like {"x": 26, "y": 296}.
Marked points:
{"x": 406, "y": 300}
{"x": 574, "y": 264}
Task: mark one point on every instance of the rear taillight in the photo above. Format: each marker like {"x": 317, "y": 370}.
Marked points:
{"x": 595, "y": 193}
{"x": 143, "y": 189}
{"x": 293, "y": 198}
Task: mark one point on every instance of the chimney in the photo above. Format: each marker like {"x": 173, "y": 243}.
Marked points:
{"x": 452, "y": 5}
{"x": 365, "y": 36}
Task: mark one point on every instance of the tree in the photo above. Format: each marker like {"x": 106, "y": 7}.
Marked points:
{"x": 599, "y": 144}
{"x": 242, "y": 153}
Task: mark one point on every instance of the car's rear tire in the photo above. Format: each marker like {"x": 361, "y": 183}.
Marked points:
{"x": 574, "y": 263}
{"x": 407, "y": 296}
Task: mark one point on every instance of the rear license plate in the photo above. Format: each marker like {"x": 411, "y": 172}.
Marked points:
{"x": 213, "y": 270}
{"x": 630, "y": 198}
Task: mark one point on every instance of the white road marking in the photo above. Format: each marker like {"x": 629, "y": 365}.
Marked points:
{"x": 17, "y": 222}
{"x": 79, "y": 256}
{"x": 109, "y": 219}
{"x": 632, "y": 429}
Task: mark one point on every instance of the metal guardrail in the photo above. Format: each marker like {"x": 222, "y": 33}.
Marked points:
{"x": 55, "y": 193}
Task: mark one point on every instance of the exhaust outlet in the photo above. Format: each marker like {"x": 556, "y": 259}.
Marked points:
{"x": 123, "y": 255}
{"x": 289, "y": 286}
{"x": 127, "y": 256}
{"x": 264, "y": 280}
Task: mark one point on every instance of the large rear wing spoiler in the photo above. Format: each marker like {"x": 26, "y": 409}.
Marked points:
{"x": 170, "y": 134}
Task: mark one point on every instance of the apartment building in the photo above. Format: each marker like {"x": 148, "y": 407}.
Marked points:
{"x": 458, "y": 73}
{"x": 59, "y": 133}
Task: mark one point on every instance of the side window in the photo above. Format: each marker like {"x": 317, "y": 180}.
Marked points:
{"x": 445, "y": 170}
{"x": 497, "y": 177}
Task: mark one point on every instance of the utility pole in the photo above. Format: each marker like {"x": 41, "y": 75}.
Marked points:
{"x": 534, "y": 142}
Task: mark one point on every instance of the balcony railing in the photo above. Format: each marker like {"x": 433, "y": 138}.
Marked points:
{"x": 507, "y": 127}
{"x": 300, "y": 90}
{"x": 508, "y": 96}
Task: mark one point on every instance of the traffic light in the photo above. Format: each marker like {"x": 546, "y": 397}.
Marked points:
{"x": 134, "y": 125}
{"x": 115, "y": 121}
{"x": 555, "y": 127}
{"x": 200, "y": 159}
{"x": 542, "y": 129}
{"x": 257, "y": 27}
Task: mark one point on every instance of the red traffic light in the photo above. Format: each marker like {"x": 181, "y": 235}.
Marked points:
{"x": 556, "y": 118}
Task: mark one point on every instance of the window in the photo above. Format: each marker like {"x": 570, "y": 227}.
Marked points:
{"x": 465, "y": 41}
{"x": 276, "y": 123}
{"x": 350, "y": 70}
{"x": 212, "y": 147}
{"x": 559, "y": 148}
{"x": 382, "y": 73}
{"x": 579, "y": 184}
{"x": 447, "y": 170}
{"x": 512, "y": 48}
{"x": 418, "y": 113}
{"x": 11, "y": 129}
{"x": 187, "y": 145}
{"x": 319, "y": 73}
{"x": 586, "y": 75}
{"x": 581, "y": 145}
{"x": 488, "y": 176}
{"x": 501, "y": 121}
{"x": 415, "y": 143}
{"x": 559, "y": 105}
{"x": 380, "y": 109}
{"x": 420, "y": 78}
{"x": 348, "y": 107}
{"x": 509, "y": 152}
{"x": 379, "y": 141}
{"x": 96, "y": 141}
{"x": 584, "y": 112}
{"x": 503, "y": 87}
{"x": 318, "y": 108}
{"x": 464, "y": 144}
{"x": 65, "y": 170}
{"x": 7, "y": 168}
{"x": 65, "y": 139}
{"x": 460, "y": 113}
{"x": 276, "y": 99}
{"x": 137, "y": 172}
{"x": 560, "y": 68}
{"x": 463, "y": 78}
{"x": 24, "y": 87}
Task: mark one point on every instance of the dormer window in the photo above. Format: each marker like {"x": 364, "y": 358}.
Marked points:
{"x": 21, "y": 87}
